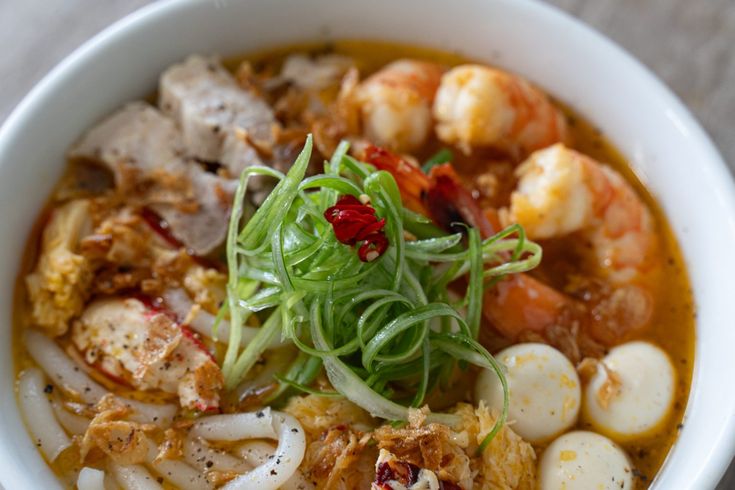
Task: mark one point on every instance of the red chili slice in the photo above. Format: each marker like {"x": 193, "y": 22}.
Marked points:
{"x": 160, "y": 226}
{"x": 355, "y": 222}
{"x": 373, "y": 247}
{"x": 370, "y": 229}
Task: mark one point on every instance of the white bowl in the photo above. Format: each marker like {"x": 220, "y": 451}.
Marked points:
{"x": 666, "y": 146}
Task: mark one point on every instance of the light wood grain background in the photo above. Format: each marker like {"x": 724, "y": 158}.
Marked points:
{"x": 690, "y": 44}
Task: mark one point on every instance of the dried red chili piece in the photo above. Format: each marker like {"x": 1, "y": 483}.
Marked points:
{"x": 345, "y": 204}
{"x": 160, "y": 226}
{"x": 370, "y": 229}
{"x": 373, "y": 247}
{"x": 355, "y": 222}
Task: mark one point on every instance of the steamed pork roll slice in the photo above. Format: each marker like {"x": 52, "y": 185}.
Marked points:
{"x": 220, "y": 121}
{"x": 145, "y": 152}
{"x": 136, "y": 344}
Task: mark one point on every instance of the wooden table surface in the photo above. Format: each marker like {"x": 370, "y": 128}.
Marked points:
{"x": 690, "y": 44}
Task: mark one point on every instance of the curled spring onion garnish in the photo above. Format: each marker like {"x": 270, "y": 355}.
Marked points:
{"x": 384, "y": 329}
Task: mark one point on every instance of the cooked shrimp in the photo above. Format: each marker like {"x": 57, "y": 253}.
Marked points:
{"x": 522, "y": 303}
{"x": 516, "y": 305}
{"x": 561, "y": 191}
{"x": 478, "y": 106}
{"x": 395, "y": 104}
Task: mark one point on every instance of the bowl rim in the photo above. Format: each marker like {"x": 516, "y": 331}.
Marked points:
{"x": 722, "y": 450}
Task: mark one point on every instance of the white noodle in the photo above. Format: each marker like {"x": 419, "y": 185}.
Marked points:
{"x": 236, "y": 427}
{"x": 61, "y": 369}
{"x": 285, "y": 462}
{"x": 39, "y": 416}
{"x": 206, "y": 458}
{"x": 73, "y": 423}
{"x": 203, "y": 321}
{"x": 91, "y": 479}
{"x": 64, "y": 372}
{"x": 298, "y": 482}
{"x": 177, "y": 472}
{"x": 147, "y": 413}
{"x": 255, "y": 452}
{"x": 258, "y": 452}
{"x": 134, "y": 477}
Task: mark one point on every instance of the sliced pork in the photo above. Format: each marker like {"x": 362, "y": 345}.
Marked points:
{"x": 218, "y": 118}
{"x": 136, "y": 139}
{"x": 144, "y": 150}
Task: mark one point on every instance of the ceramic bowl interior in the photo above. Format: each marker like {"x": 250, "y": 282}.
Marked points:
{"x": 667, "y": 148}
